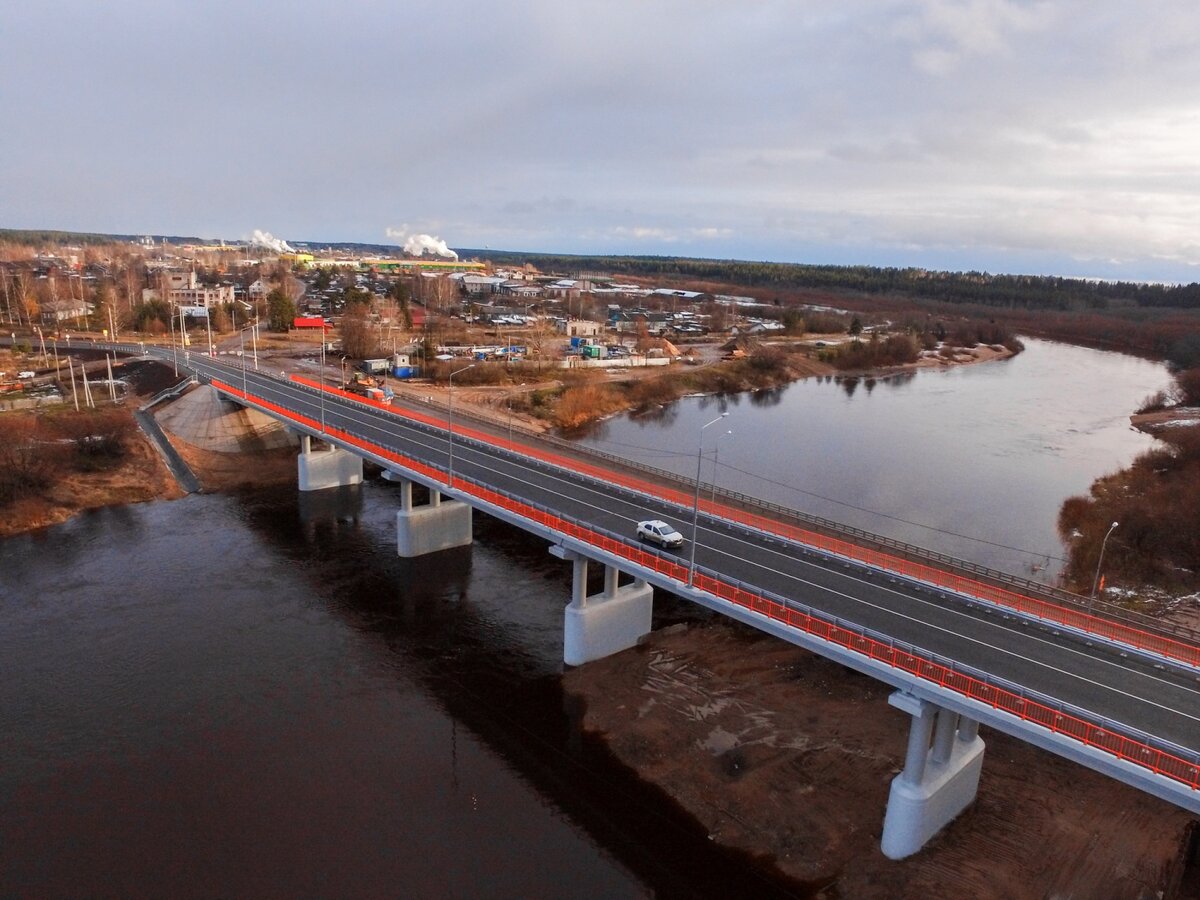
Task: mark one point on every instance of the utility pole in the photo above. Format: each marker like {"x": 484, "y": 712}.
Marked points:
{"x": 174, "y": 353}
{"x": 74, "y": 390}
{"x": 87, "y": 391}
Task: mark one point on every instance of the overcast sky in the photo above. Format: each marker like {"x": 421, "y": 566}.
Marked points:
{"x": 1046, "y": 137}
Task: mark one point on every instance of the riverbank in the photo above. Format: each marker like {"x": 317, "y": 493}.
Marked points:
{"x": 790, "y": 757}
{"x": 138, "y": 476}
{"x": 1149, "y": 509}
{"x": 580, "y": 398}
{"x": 50, "y": 453}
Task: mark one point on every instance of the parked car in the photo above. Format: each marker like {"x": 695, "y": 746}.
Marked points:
{"x": 659, "y": 532}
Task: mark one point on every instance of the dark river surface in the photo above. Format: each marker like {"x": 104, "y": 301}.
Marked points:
{"x": 253, "y": 695}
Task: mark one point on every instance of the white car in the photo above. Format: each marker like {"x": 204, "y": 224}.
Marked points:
{"x": 660, "y": 533}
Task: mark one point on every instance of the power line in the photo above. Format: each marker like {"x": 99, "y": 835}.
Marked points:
{"x": 659, "y": 453}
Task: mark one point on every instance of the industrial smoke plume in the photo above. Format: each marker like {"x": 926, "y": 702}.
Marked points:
{"x": 420, "y": 244}
{"x": 268, "y": 240}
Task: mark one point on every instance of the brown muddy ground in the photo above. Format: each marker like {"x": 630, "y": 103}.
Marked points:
{"x": 787, "y": 755}
{"x": 238, "y": 471}
{"x": 140, "y": 476}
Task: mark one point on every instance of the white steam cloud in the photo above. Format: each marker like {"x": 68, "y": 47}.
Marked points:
{"x": 420, "y": 244}
{"x": 269, "y": 241}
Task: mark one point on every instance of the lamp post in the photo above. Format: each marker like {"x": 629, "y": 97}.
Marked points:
{"x": 696, "y": 498}
{"x": 242, "y": 349}
{"x": 1100, "y": 561}
{"x": 716, "y": 454}
{"x": 322, "y": 381}
{"x": 450, "y": 424}
{"x": 174, "y": 352}
{"x": 242, "y": 354}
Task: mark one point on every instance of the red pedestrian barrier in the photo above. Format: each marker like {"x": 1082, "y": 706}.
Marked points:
{"x": 1091, "y": 734}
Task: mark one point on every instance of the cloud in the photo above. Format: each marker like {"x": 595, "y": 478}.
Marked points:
{"x": 948, "y": 32}
{"x": 951, "y": 129}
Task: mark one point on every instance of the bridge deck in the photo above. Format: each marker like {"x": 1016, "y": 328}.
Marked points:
{"x": 1155, "y": 692}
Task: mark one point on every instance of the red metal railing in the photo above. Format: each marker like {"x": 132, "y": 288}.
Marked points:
{"x": 907, "y": 660}
{"x": 1045, "y": 610}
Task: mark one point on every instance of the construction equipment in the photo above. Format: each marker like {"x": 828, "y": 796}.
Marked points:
{"x": 364, "y": 385}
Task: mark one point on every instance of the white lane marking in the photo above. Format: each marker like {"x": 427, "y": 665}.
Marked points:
{"x": 367, "y": 416}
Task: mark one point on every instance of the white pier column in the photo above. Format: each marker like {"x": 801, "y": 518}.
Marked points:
{"x": 938, "y": 782}
{"x": 435, "y": 526}
{"x": 606, "y": 623}
{"x": 317, "y": 470}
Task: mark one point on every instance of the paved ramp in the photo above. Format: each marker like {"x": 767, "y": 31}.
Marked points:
{"x": 204, "y": 419}
{"x": 179, "y": 468}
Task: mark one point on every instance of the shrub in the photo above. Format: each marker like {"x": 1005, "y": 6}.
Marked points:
{"x": 95, "y": 438}
{"x": 647, "y": 392}
{"x": 895, "y": 350}
{"x": 1153, "y": 403}
{"x": 586, "y": 403}
{"x": 1189, "y": 386}
{"x": 767, "y": 361}
{"x": 27, "y": 460}
{"x": 826, "y": 323}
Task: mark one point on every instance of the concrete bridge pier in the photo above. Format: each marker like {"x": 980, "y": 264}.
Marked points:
{"x": 321, "y": 469}
{"x": 938, "y": 781}
{"x": 438, "y": 525}
{"x": 606, "y": 623}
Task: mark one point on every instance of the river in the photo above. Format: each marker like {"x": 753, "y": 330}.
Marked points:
{"x": 251, "y": 694}
{"x": 974, "y": 461}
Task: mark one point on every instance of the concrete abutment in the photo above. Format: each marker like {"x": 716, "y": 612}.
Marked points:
{"x": 938, "y": 781}
{"x": 606, "y": 623}
{"x": 320, "y": 469}
{"x": 441, "y": 524}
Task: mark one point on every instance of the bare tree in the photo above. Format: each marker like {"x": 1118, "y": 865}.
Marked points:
{"x": 5, "y": 278}
{"x": 359, "y": 338}
{"x": 27, "y": 305}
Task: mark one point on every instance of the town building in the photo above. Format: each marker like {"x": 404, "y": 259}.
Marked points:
{"x": 183, "y": 289}
{"x": 579, "y": 327}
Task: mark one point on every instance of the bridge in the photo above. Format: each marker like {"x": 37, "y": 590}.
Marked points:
{"x": 961, "y": 645}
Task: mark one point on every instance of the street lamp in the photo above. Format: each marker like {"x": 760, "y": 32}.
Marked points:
{"x": 242, "y": 350}
{"x": 696, "y": 498}
{"x": 716, "y": 454}
{"x": 450, "y": 425}
{"x": 322, "y": 381}
{"x": 174, "y": 352}
{"x": 1100, "y": 561}
{"x": 242, "y": 354}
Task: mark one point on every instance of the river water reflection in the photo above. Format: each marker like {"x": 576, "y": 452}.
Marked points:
{"x": 252, "y": 695}
{"x": 986, "y": 451}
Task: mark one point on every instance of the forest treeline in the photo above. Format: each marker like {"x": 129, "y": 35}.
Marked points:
{"x": 43, "y": 237}
{"x": 1014, "y": 291}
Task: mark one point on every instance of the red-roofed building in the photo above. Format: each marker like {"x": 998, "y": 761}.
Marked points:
{"x": 310, "y": 322}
